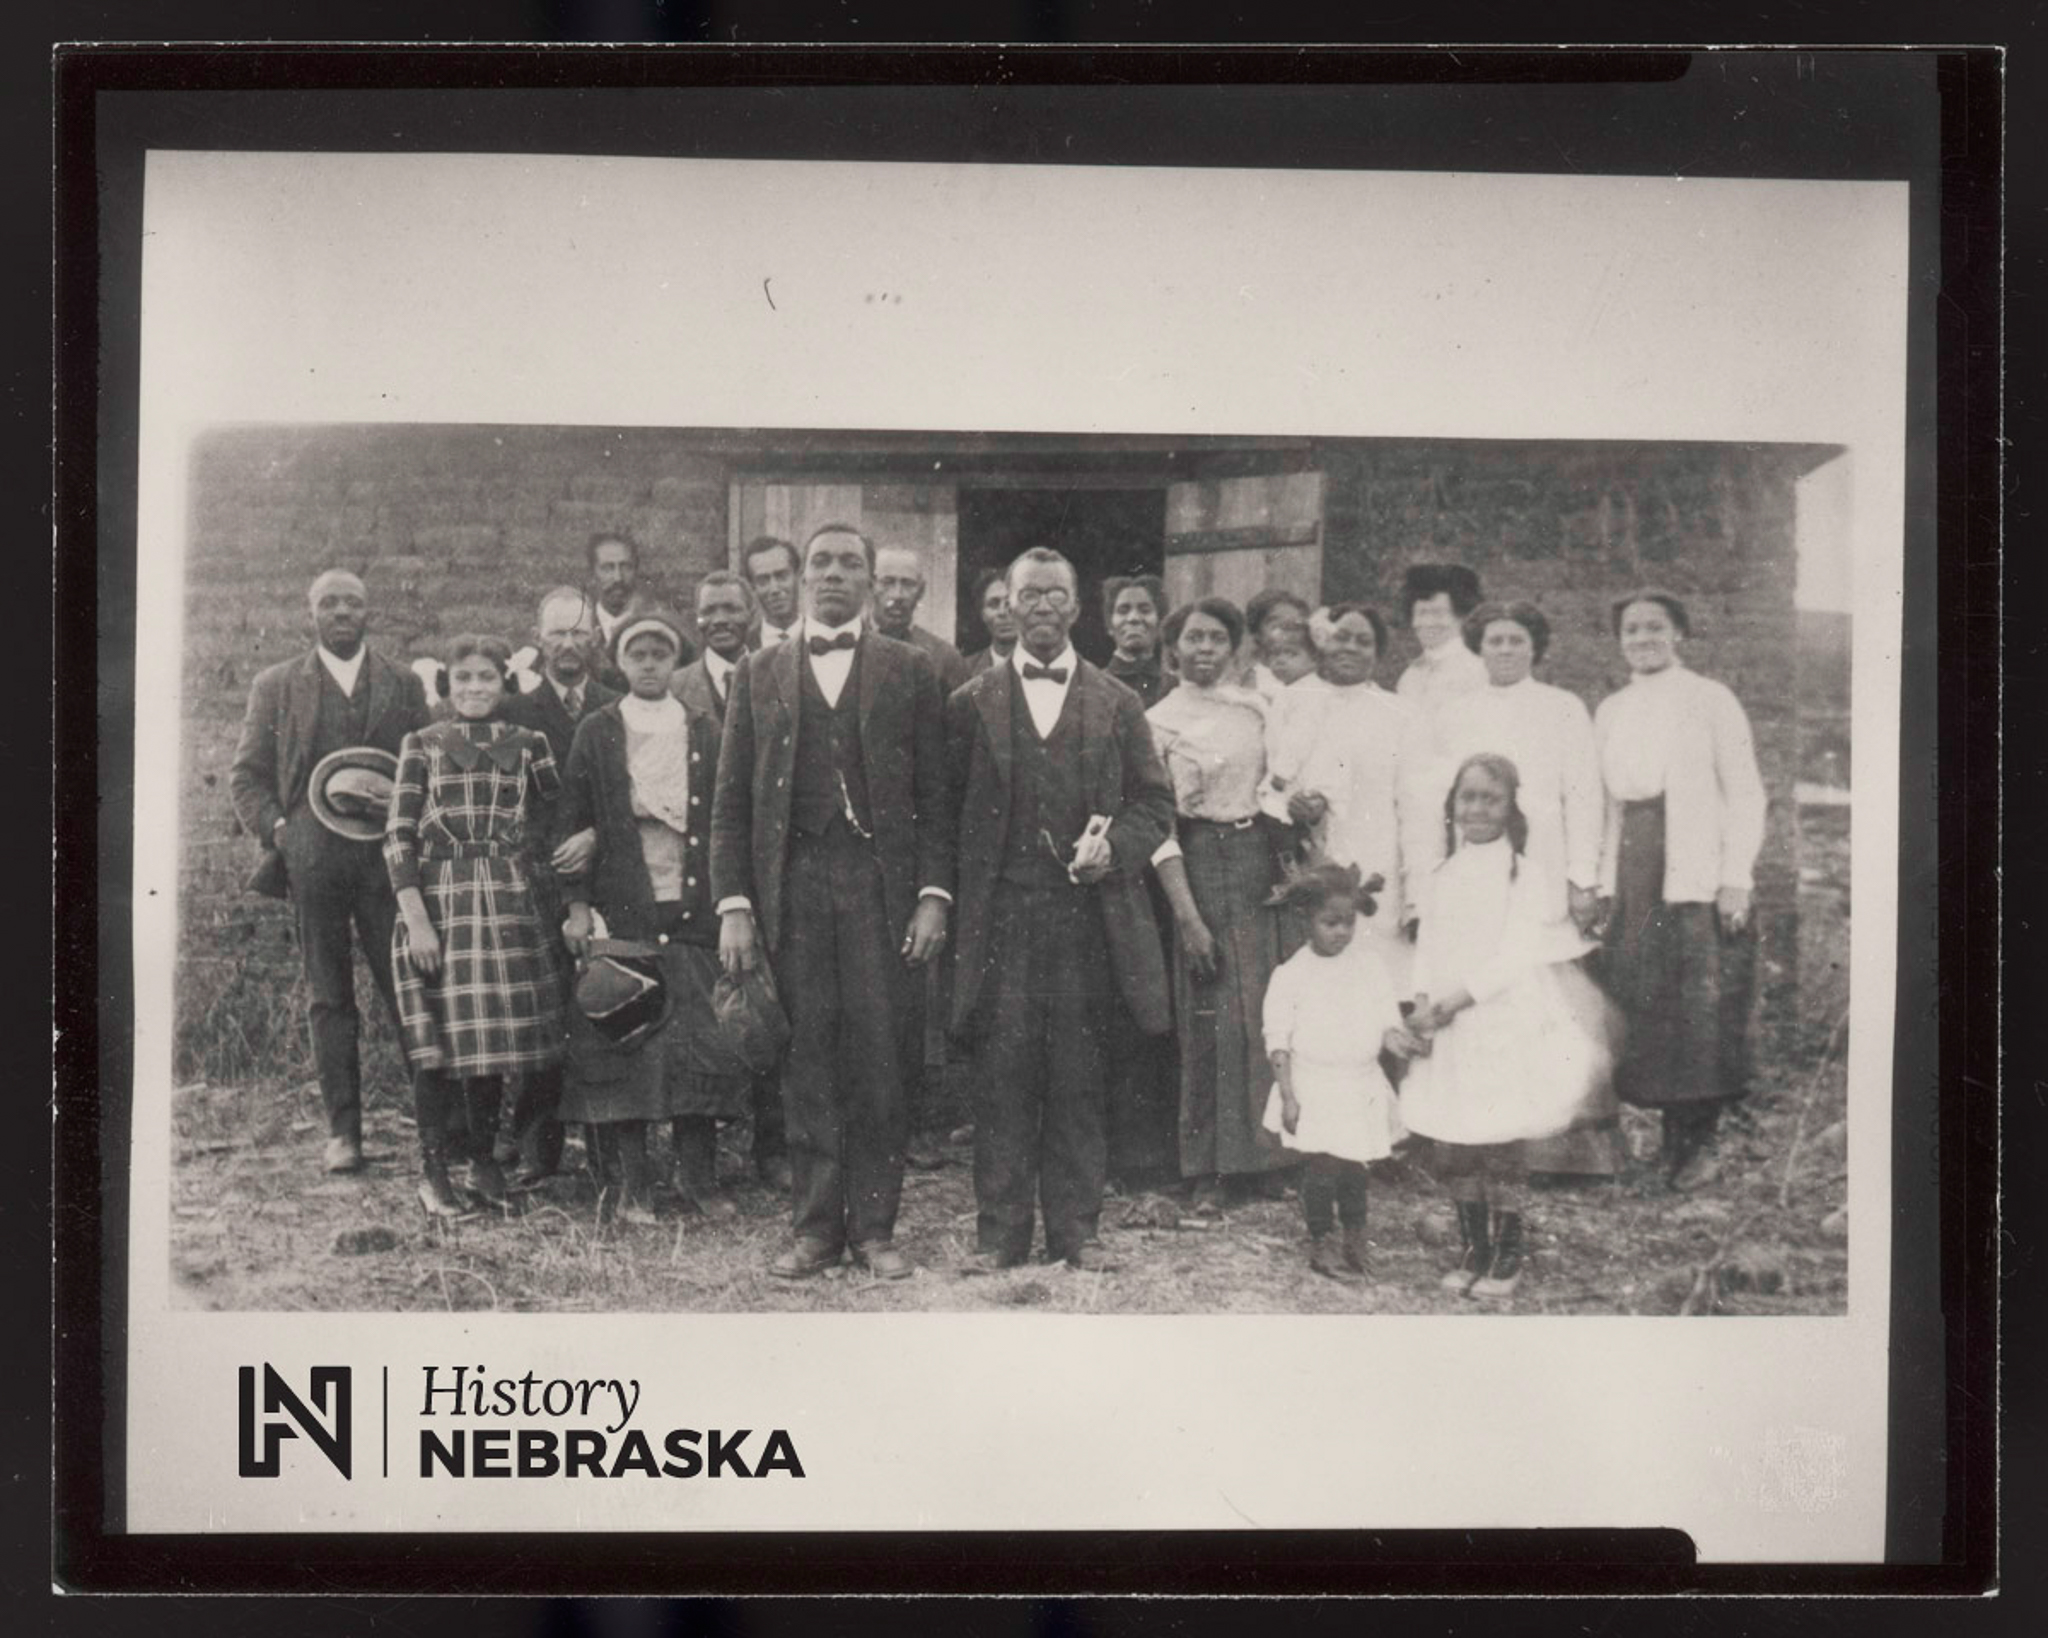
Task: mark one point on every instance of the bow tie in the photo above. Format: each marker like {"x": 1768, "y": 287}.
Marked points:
{"x": 1044, "y": 673}
{"x": 825, "y": 645}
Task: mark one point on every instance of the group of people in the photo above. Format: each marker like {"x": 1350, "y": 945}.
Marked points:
{"x": 1324, "y": 914}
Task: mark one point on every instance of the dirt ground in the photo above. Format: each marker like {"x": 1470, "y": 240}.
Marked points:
{"x": 258, "y": 1226}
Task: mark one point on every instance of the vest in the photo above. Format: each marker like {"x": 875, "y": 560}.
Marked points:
{"x": 340, "y": 720}
{"x": 827, "y": 751}
{"x": 1045, "y": 795}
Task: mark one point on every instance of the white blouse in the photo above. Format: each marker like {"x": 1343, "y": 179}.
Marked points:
{"x": 1437, "y": 678}
{"x": 1366, "y": 753}
{"x": 1548, "y": 735}
{"x": 1676, "y": 734}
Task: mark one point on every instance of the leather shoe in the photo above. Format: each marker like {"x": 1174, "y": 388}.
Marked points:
{"x": 988, "y": 1262}
{"x": 1701, "y": 1169}
{"x": 344, "y": 1153}
{"x": 1092, "y": 1257}
{"x": 805, "y": 1258}
{"x": 920, "y": 1156}
{"x": 884, "y": 1261}
{"x": 774, "y": 1173}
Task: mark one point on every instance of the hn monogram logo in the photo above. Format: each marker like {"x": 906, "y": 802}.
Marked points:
{"x": 330, "y": 1391}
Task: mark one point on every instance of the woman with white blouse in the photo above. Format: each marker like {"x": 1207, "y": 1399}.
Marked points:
{"x": 1218, "y": 871}
{"x": 1685, "y": 810}
{"x": 1347, "y": 763}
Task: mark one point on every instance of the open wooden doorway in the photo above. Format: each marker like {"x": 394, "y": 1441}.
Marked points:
{"x": 1102, "y": 532}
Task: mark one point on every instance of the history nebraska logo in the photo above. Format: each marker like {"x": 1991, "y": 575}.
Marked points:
{"x": 264, "y": 1430}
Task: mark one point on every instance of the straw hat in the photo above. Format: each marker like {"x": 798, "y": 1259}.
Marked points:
{"x": 350, "y": 791}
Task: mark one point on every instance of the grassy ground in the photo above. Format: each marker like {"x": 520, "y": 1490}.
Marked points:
{"x": 257, "y": 1226}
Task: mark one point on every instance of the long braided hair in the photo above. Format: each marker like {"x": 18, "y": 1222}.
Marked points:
{"x": 1504, "y": 770}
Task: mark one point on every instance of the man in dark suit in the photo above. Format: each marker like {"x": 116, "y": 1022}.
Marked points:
{"x": 774, "y": 571}
{"x": 614, "y": 594}
{"x": 1062, "y": 802}
{"x": 832, "y": 850}
{"x": 565, "y": 634}
{"x": 899, "y": 588}
{"x": 341, "y": 694}
{"x": 725, "y": 614}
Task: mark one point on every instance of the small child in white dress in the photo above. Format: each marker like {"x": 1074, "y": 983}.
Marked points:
{"x": 1503, "y": 1053}
{"x": 1326, "y": 1010}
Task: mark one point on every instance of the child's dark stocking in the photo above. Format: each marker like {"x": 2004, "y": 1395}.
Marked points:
{"x": 1458, "y": 1166}
{"x": 624, "y": 1144}
{"x": 480, "y": 1096}
{"x": 1320, "y": 1190}
{"x": 1351, "y": 1201}
{"x": 695, "y": 1141}
{"x": 1507, "y": 1190}
{"x": 432, "y": 1101}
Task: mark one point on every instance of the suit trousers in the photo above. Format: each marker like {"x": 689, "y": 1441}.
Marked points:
{"x": 1040, "y": 1045}
{"x": 840, "y": 970}
{"x": 336, "y": 885}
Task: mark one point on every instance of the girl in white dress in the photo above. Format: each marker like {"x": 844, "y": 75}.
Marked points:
{"x": 1326, "y": 1011}
{"x": 1507, "y": 1053}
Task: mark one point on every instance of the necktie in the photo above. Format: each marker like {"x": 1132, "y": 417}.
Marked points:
{"x": 825, "y": 645}
{"x": 574, "y": 701}
{"x": 1046, "y": 673}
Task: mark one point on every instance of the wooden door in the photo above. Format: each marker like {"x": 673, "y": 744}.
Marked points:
{"x": 922, "y": 516}
{"x": 1233, "y": 537}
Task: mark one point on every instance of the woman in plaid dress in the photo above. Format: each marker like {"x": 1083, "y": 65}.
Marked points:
{"x": 479, "y": 996}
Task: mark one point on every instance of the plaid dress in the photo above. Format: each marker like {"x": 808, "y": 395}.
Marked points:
{"x": 457, "y": 832}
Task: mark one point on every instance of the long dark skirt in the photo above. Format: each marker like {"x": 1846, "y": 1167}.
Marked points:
{"x": 1686, "y": 988}
{"x": 666, "y": 1074}
{"x": 1224, "y": 1075}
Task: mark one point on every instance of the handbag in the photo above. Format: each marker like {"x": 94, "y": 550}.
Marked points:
{"x": 752, "y": 1030}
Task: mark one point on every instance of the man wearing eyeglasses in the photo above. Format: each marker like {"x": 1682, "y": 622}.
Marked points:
{"x": 832, "y": 851}
{"x": 1062, "y": 800}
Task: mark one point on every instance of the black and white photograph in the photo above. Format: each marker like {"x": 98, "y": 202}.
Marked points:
{"x": 1131, "y": 816}
{"x": 1323, "y": 637}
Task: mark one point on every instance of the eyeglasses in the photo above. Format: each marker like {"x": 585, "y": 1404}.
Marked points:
{"x": 1031, "y": 597}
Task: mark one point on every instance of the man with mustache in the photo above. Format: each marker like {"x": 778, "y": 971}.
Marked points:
{"x": 1062, "y": 801}
{"x": 615, "y": 593}
{"x": 565, "y": 633}
{"x": 340, "y": 695}
{"x": 899, "y": 588}
{"x": 772, "y": 571}
{"x": 725, "y": 614}
{"x": 832, "y": 850}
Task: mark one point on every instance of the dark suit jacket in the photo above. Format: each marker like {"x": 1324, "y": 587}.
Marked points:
{"x": 273, "y": 758}
{"x": 902, "y": 734}
{"x": 692, "y": 685}
{"x": 542, "y": 711}
{"x": 947, "y": 664}
{"x": 1124, "y": 779}
{"x": 597, "y": 791}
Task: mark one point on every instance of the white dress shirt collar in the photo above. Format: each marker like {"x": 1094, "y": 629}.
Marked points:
{"x": 1045, "y": 698}
{"x": 830, "y": 669}
{"x": 719, "y": 670}
{"x": 344, "y": 672}
{"x": 772, "y": 634}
